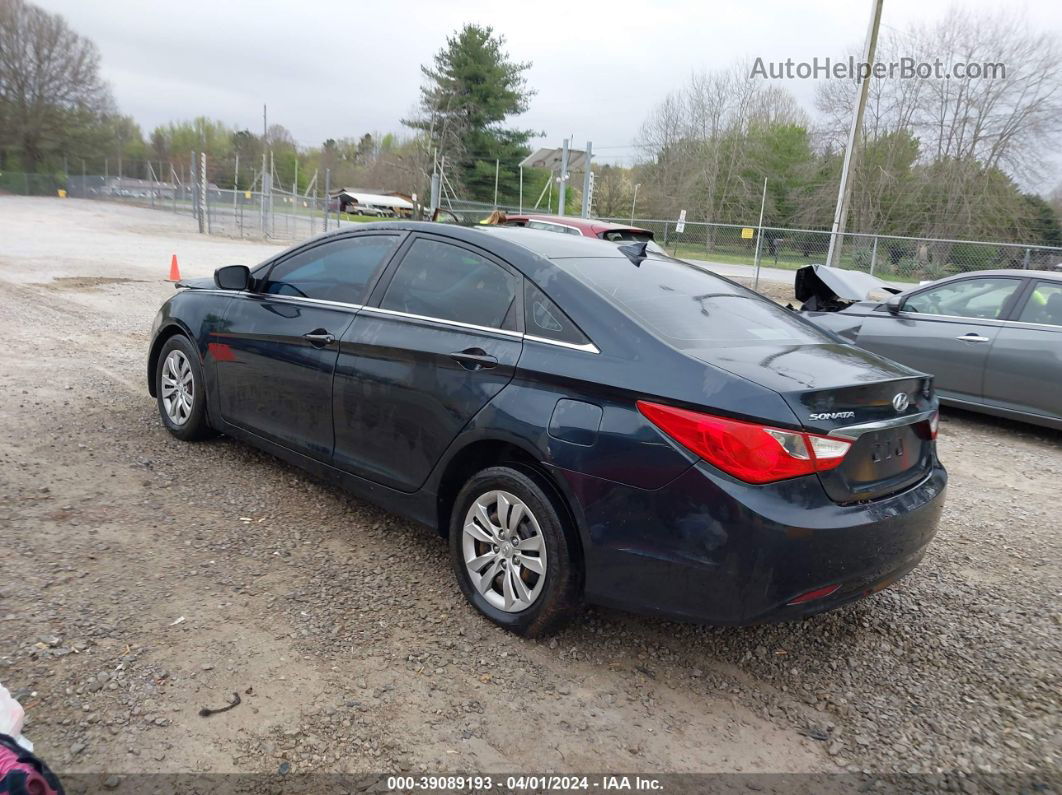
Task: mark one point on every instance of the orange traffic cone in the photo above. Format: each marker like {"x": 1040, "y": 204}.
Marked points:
{"x": 175, "y": 272}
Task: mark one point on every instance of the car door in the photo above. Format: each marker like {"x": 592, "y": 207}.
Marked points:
{"x": 1024, "y": 369}
{"x": 441, "y": 338}
{"x": 945, "y": 330}
{"x": 277, "y": 353}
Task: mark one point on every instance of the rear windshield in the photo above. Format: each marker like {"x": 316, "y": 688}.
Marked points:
{"x": 689, "y": 307}
{"x": 626, "y": 235}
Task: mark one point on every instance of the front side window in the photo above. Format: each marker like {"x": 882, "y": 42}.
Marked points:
{"x": 340, "y": 270}
{"x": 973, "y": 298}
{"x": 1044, "y": 305}
{"x": 444, "y": 281}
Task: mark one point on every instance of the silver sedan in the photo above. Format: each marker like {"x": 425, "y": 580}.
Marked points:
{"x": 992, "y": 339}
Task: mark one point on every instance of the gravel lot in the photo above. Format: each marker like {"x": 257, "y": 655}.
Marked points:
{"x": 146, "y": 578}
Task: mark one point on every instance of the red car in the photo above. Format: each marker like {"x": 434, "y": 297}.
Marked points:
{"x": 587, "y": 227}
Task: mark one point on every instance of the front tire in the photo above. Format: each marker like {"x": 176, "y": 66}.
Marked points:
{"x": 180, "y": 390}
{"x": 511, "y": 554}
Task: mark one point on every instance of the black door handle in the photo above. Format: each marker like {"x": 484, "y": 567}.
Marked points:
{"x": 319, "y": 338}
{"x": 474, "y": 359}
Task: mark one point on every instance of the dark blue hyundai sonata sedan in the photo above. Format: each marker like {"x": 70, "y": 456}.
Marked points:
{"x": 584, "y": 422}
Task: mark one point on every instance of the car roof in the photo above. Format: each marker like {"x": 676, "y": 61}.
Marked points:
{"x": 594, "y": 225}
{"x": 548, "y": 245}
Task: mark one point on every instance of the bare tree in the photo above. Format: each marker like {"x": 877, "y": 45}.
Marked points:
{"x": 957, "y": 136}
{"x": 49, "y": 79}
{"x": 700, "y": 143}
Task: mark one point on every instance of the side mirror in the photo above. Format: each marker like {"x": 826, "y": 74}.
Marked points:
{"x": 893, "y": 305}
{"x": 233, "y": 277}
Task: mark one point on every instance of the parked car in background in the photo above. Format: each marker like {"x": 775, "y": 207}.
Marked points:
{"x": 992, "y": 339}
{"x": 582, "y": 420}
{"x": 586, "y": 227}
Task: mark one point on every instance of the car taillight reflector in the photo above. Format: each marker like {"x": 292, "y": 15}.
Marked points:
{"x": 818, "y": 593}
{"x": 749, "y": 451}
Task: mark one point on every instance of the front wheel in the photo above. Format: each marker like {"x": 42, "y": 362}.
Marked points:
{"x": 511, "y": 554}
{"x": 180, "y": 390}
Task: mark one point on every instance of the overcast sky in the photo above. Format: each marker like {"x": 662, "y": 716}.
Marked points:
{"x": 334, "y": 68}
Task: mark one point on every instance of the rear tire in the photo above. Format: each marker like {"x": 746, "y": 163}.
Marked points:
{"x": 511, "y": 553}
{"x": 180, "y": 390}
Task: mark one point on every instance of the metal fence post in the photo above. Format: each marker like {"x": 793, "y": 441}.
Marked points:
{"x": 327, "y": 195}
{"x": 1025, "y": 263}
{"x": 203, "y": 207}
{"x": 873, "y": 255}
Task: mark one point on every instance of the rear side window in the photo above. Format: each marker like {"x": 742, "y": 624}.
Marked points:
{"x": 448, "y": 282}
{"x": 1044, "y": 305}
{"x": 543, "y": 318}
{"x": 626, "y": 236}
{"x": 340, "y": 270}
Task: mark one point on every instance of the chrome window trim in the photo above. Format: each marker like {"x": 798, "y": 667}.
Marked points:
{"x": 853, "y": 432}
{"x": 298, "y": 299}
{"x": 376, "y": 310}
{"x": 294, "y": 299}
{"x": 286, "y": 299}
{"x": 588, "y": 347}
{"x": 1039, "y": 326}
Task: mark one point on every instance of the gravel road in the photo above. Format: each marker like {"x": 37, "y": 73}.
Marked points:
{"x": 145, "y": 578}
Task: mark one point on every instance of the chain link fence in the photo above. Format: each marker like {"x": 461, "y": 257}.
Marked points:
{"x": 234, "y": 213}
{"x": 289, "y": 216}
{"x": 275, "y": 215}
{"x": 889, "y": 257}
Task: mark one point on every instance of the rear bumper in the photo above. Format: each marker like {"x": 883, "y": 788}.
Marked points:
{"x": 709, "y": 549}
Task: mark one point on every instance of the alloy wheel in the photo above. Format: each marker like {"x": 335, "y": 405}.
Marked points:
{"x": 504, "y": 551}
{"x": 177, "y": 387}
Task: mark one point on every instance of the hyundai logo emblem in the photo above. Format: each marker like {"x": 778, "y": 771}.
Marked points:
{"x": 901, "y": 402}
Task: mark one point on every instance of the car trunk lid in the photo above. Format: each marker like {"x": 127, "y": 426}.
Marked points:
{"x": 880, "y": 406}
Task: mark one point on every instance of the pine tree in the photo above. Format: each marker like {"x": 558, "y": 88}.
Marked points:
{"x": 470, "y": 89}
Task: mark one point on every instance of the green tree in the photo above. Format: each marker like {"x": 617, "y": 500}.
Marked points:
{"x": 469, "y": 91}
{"x": 1043, "y": 222}
{"x": 52, "y": 99}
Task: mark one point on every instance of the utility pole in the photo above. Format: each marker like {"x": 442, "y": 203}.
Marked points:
{"x": 586, "y": 180}
{"x": 436, "y": 183}
{"x": 759, "y": 236}
{"x": 634, "y": 201}
{"x": 563, "y": 178}
{"x": 844, "y": 190}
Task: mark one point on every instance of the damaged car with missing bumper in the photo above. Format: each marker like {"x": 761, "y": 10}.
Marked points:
{"x": 991, "y": 339}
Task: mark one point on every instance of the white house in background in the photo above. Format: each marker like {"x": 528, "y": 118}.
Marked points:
{"x": 355, "y": 201}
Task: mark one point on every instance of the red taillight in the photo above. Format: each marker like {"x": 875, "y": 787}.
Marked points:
{"x": 927, "y": 429}
{"x": 818, "y": 593}
{"x": 750, "y": 452}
